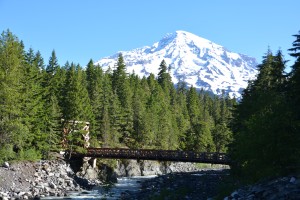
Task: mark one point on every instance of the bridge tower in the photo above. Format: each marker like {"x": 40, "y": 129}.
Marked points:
{"x": 73, "y": 126}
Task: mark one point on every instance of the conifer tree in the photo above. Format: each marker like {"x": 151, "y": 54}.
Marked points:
{"x": 120, "y": 84}
{"x": 94, "y": 79}
{"x": 138, "y": 106}
{"x": 152, "y": 110}
{"x": 164, "y": 124}
{"x": 260, "y": 124}
{"x": 39, "y": 61}
{"x": 51, "y": 79}
{"x": 109, "y": 116}
{"x": 199, "y": 136}
{"x": 76, "y": 102}
{"x": 123, "y": 110}
{"x": 77, "y": 105}
{"x": 13, "y": 132}
{"x": 33, "y": 106}
{"x": 53, "y": 111}
{"x": 294, "y": 100}
{"x": 164, "y": 78}
{"x": 193, "y": 104}
{"x": 222, "y": 137}
{"x": 182, "y": 115}
{"x": 295, "y": 76}
{"x": 295, "y": 51}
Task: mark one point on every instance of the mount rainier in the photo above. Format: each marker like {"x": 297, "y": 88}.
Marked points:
{"x": 195, "y": 60}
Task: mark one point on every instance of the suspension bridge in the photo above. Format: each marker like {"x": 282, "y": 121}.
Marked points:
{"x": 159, "y": 155}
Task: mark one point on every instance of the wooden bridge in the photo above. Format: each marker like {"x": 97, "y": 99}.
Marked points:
{"x": 160, "y": 155}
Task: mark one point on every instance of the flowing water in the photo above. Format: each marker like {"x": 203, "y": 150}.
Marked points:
{"x": 108, "y": 192}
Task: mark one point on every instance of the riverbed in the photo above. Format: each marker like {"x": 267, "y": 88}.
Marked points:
{"x": 184, "y": 185}
{"x": 119, "y": 190}
{"x": 56, "y": 180}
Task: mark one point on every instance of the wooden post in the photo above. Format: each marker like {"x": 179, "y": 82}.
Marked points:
{"x": 67, "y": 129}
{"x": 95, "y": 163}
{"x": 86, "y": 137}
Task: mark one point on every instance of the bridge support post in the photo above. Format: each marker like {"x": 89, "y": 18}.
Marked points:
{"x": 94, "y": 163}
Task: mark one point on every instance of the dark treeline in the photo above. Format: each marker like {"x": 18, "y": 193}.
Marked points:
{"x": 123, "y": 109}
{"x": 266, "y": 123}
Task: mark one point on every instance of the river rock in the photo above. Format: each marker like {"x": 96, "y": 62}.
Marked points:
{"x": 88, "y": 172}
{"x": 107, "y": 174}
{"x": 279, "y": 188}
{"x": 120, "y": 168}
{"x": 133, "y": 169}
{"x": 43, "y": 178}
{"x": 293, "y": 180}
{"x": 6, "y": 164}
{"x": 150, "y": 168}
{"x": 146, "y": 167}
{"x": 52, "y": 193}
{"x": 52, "y": 185}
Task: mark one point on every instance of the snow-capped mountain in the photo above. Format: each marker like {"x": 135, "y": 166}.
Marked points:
{"x": 195, "y": 60}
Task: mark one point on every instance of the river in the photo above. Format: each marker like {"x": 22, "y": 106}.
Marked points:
{"x": 108, "y": 192}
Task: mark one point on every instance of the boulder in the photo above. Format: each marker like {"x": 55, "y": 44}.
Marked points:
{"x": 133, "y": 168}
{"x": 52, "y": 185}
{"x": 6, "y": 164}
{"x": 150, "y": 168}
{"x": 107, "y": 174}
{"x": 293, "y": 180}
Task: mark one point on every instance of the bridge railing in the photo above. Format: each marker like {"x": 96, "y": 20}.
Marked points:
{"x": 162, "y": 155}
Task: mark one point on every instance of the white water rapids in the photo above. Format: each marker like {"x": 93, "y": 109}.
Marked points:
{"x": 107, "y": 192}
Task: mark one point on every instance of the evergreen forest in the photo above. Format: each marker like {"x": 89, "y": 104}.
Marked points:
{"x": 261, "y": 131}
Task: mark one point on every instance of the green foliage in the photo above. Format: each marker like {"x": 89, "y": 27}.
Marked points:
{"x": 294, "y": 84}
{"x": 30, "y": 154}
{"x": 121, "y": 87}
{"x": 76, "y": 103}
{"x": 164, "y": 78}
{"x": 261, "y": 134}
{"x": 7, "y": 153}
{"x": 33, "y": 105}
{"x": 222, "y": 136}
{"x": 120, "y": 83}
{"x": 266, "y": 140}
{"x": 295, "y": 51}
{"x": 74, "y": 137}
{"x": 123, "y": 110}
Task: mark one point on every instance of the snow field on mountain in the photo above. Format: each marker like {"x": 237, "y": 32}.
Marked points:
{"x": 195, "y": 60}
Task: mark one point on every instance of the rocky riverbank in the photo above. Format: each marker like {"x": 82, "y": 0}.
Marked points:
{"x": 32, "y": 180}
{"x": 204, "y": 185}
{"x": 285, "y": 188}
{"x": 28, "y": 180}
{"x": 128, "y": 168}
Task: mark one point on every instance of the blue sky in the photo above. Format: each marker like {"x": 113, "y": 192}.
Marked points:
{"x": 92, "y": 29}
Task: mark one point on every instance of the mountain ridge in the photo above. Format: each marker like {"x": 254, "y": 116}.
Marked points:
{"x": 195, "y": 60}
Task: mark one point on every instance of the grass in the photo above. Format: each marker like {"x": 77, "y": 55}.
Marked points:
{"x": 210, "y": 166}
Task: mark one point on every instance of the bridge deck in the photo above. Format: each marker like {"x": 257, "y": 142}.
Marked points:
{"x": 161, "y": 155}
